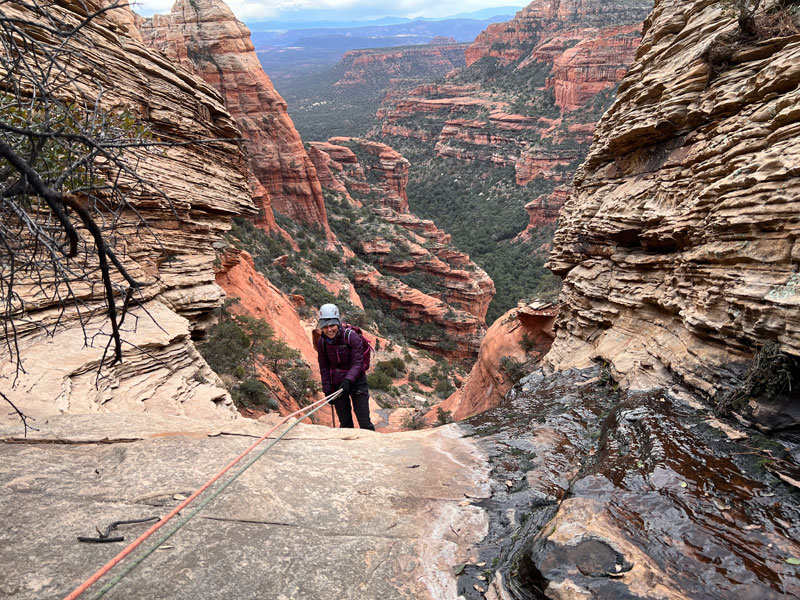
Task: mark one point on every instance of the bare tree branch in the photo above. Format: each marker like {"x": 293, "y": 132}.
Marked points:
{"x": 22, "y": 416}
{"x": 69, "y": 172}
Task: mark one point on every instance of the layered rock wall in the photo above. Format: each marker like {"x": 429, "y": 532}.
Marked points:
{"x": 507, "y": 41}
{"x": 679, "y": 246}
{"x": 205, "y": 37}
{"x": 372, "y": 66}
{"x": 406, "y": 251}
{"x": 257, "y": 297}
{"x": 196, "y": 190}
{"x": 523, "y": 335}
{"x": 532, "y": 90}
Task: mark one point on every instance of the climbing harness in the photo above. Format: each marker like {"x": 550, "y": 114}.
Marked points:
{"x": 312, "y": 408}
{"x": 105, "y": 536}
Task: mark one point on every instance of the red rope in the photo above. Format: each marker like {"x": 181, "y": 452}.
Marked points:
{"x": 133, "y": 545}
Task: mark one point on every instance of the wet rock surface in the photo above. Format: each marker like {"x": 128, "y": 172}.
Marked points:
{"x": 602, "y": 494}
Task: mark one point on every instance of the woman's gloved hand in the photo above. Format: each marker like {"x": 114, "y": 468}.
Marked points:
{"x": 346, "y": 385}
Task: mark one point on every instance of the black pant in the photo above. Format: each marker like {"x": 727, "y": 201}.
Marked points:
{"x": 359, "y": 394}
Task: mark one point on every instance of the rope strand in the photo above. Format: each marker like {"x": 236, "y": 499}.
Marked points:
{"x": 130, "y": 548}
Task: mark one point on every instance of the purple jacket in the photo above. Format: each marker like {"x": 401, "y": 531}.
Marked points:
{"x": 340, "y": 359}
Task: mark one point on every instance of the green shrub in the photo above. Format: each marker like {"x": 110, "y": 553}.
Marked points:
{"x": 443, "y": 388}
{"x": 443, "y": 417}
{"x": 512, "y": 367}
{"x": 299, "y": 382}
{"x": 379, "y": 380}
{"x": 254, "y": 394}
{"x": 415, "y": 420}
{"x": 227, "y": 346}
{"x": 425, "y": 379}
{"x": 527, "y": 343}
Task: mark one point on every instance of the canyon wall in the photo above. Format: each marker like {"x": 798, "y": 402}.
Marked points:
{"x": 680, "y": 243}
{"x": 205, "y": 38}
{"x": 512, "y": 344}
{"x": 532, "y": 90}
{"x": 412, "y": 266}
{"x": 195, "y": 191}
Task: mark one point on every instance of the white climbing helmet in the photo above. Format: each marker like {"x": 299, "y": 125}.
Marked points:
{"x": 329, "y": 315}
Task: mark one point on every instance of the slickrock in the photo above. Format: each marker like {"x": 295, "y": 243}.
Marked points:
{"x": 205, "y": 37}
{"x": 207, "y": 184}
{"x": 621, "y": 495}
{"x": 295, "y": 524}
{"x": 523, "y": 334}
{"x": 679, "y": 246}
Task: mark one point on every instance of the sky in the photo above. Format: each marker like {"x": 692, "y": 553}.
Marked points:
{"x": 339, "y": 10}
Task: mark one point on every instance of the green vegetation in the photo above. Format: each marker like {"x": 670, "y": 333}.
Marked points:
{"x": 771, "y": 375}
{"x": 482, "y": 208}
{"x": 527, "y": 343}
{"x": 385, "y": 372}
{"x": 295, "y": 275}
{"x": 237, "y": 346}
{"x": 443, "y": 417}
{"x": 512, "y": 367}
{"x": 415, "y": 420}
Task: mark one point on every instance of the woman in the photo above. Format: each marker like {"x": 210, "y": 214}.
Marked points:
{"x": 340, "y": 351}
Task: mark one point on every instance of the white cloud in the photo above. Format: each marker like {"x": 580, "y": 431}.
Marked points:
{"x": 264, "y": 10}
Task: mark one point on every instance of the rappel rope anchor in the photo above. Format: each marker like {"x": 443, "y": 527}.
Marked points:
{"x": 105, "y": 536}
{"x": 312, "y": 408}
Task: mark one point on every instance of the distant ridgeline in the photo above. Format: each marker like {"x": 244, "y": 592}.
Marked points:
{"x": 491, "y": 134}
{"x": 507, "y": 133}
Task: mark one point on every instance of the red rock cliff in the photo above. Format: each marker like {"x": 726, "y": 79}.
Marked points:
{"x": 206, "y": 38}
{"x": 508, "y": 42}
{"x": 522, "y": 335}
{"x": 550, "y": 71}
{"x": 258, "y": 298}
{"x": 408, "y": 252}
{"x": 374, "y": 66}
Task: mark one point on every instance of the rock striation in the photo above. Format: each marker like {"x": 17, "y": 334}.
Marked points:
{"x": 532, "y": 90}
{"x": 679, "y": 245}
{"x": 378, "y": 66}
{"x": 207, "y": 185}
{"x": 378, "y": 166}
{"x": 204, "y": 37}
{"x": 509, "y": 41}
{"x": 434, "y": 325}
{"x": 419, "y": 273}
{"x": 544, "y": 210}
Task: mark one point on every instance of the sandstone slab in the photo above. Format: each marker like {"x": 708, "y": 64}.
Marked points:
{"x": 325, "y": 513}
